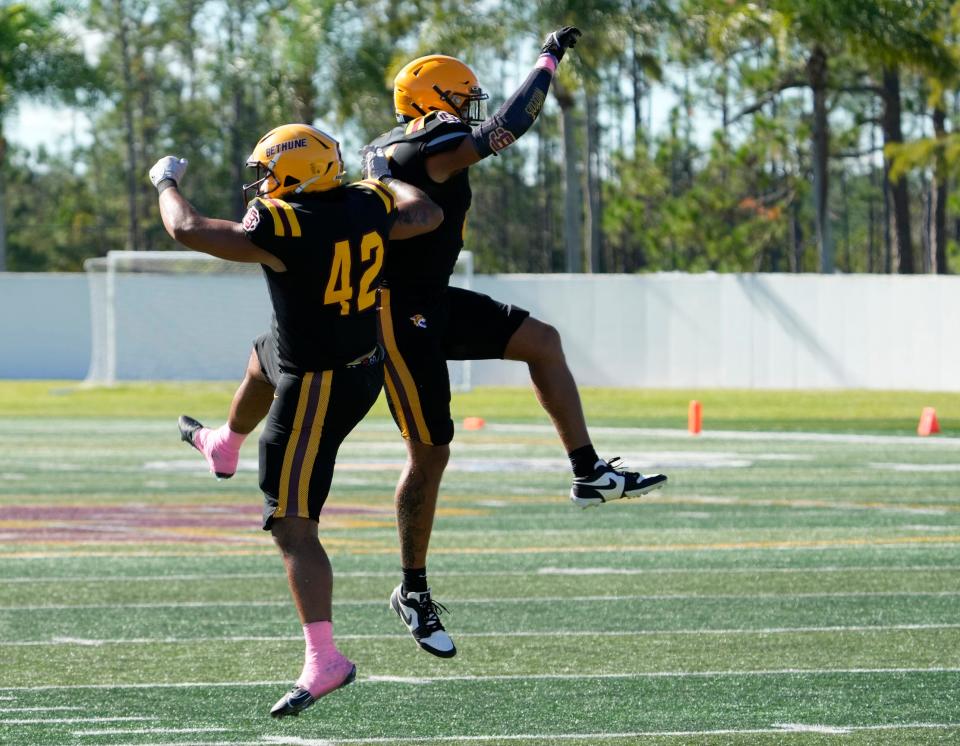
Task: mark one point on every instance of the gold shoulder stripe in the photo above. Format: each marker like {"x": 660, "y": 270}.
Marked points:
{"x": 415, "y": 126}
{"x": 289, "y": 217}
{"x": 385, "y": 195}
{"x": 277, "y": 224}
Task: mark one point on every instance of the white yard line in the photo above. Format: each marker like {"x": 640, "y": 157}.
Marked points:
{"x": 591, "y": 633}
{"x": 589, "y": 737}
{"x": 502, "y": 677}
{"x": 747, "y": 435}
{"x": 885, "y": 569}
{"x": 502, "y": 600}
{"x": 36, "y": 709}
{"x": 770, "y": 547}
{"x": 67, "y": 721}
{"x": 148, "y": 731}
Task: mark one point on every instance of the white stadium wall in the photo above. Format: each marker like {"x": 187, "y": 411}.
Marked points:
{"x": 44, "y": 326}
{"x": 659, "y": 331}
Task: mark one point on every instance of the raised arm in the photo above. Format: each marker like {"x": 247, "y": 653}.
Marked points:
{"x": 224, "y": 239}
{"x": 512, "y": 119}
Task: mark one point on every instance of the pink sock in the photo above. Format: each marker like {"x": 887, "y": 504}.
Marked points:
{"x": 221, "y": 447}
{"x": 225, "y": 437}
{"x": 324, "y": 668}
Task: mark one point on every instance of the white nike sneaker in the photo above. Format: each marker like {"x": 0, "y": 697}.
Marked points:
{"x": 421, "y": 614}
{"x": 608, "y": 483}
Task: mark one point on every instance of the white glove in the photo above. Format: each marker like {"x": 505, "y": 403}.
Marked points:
{"x": 168, "y": 167}
{"x": 375, "y": 162}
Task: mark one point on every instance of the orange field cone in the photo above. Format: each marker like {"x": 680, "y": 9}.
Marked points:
{"x": 473, "y": 423}
{"x": 695, "y": 418}
{"x": 928, "y": 422}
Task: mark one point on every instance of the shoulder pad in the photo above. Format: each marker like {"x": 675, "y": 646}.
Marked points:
{"x": 425, "y": 129}
{"x": 281, "y": 214}
{"x": 374, "y": 186}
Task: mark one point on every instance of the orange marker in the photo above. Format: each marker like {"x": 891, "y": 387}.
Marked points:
{"x": 473, "y": 423}
{"x": 928, "y": 422}
{"x": 695, "y": 418}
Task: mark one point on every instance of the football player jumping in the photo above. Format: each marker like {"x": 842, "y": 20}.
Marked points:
{"x": 424, "y": 322}
{"x": 322, "y": 247}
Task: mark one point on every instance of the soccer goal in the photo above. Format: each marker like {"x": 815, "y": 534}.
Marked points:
{"x": 172, "y": 315}
{"x": 183, "y": 315}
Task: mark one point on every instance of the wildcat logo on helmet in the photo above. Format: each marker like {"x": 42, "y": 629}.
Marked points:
{"x": 419, "y": 321}
{"x": 280, "y": 147}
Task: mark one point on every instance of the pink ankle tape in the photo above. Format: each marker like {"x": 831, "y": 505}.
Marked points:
{"x": 324, "y": 668}
{"x": 319, "y": 636}
{"x": 229, "y": 438}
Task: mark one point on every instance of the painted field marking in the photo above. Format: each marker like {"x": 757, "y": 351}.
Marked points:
{"x": 807, "y": 728}
{"x": 928, "y": 468}
{"x": 747, "y": 435}
{"x": 856, "y": 629}
{"x": 541, "y": 737}
{"x": 885, "y": 569}
{"x": 36, "y": 709}
{"x": 502, "y": 600}
{"x": 506, "y": 677}
{"x": 777, "y": 546}
{"x": 67, "y": 721}
{"x": 148, "y": 731}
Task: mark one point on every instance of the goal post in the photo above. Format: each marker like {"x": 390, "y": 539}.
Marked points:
{"x": 183, "y": 315}
{"x": 172, "y": 315}
{"x": 462, "y": 277}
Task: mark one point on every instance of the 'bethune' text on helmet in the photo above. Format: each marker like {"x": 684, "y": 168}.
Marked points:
{"x": 293, "y": 159}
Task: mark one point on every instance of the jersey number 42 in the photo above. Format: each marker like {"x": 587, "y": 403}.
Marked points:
{"x": 340, "y": 288}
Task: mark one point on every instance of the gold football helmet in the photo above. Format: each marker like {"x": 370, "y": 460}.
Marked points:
{"x": 438, "y": 83}
{"x": 292, "y": 159}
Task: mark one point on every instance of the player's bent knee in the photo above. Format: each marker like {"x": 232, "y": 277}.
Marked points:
{"x": 535, "y": 341}
{"x": 428, "y": 460}
{"x": 293, "y": 534}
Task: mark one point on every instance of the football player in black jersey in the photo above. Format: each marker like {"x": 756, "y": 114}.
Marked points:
{"x": 322, "y": 247}
{"x": 424, "y": 322}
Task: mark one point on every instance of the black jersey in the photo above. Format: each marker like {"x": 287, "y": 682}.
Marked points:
{"x": 333, "y": 245}
{"x": 427, "y": 261}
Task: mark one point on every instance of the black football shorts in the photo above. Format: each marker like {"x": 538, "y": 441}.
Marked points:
{"x": 311, "y": 415}
{"x": 420, "y": 331}
{"x": 266, "y": 348}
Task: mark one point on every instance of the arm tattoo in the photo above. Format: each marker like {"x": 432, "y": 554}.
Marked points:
{"x": 417, "y": 215}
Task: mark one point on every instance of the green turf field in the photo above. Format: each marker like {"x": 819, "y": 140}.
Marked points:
{"x": 799, "y": 585}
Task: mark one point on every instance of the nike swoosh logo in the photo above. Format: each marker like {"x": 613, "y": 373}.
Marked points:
{"x": 405, "y": 617}
{"x": 612, "y": 484}
{"x": 299, "y": 698}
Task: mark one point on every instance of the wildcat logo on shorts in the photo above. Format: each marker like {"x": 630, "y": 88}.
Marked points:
{"x": 251, "y": 220}
{"x": 419, "y": 321}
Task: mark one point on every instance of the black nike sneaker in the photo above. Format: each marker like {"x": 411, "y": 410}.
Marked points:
{"x": 609, "y": 483}
{"x": 299, "y": 699}
{"x": 421, "y": 614}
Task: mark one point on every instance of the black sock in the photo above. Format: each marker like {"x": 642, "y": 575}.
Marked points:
{"x": 415, "y": 580}
{"x": 583, "y": 460}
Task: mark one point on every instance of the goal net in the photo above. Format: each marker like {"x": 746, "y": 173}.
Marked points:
{"x": 182, "y": 315}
